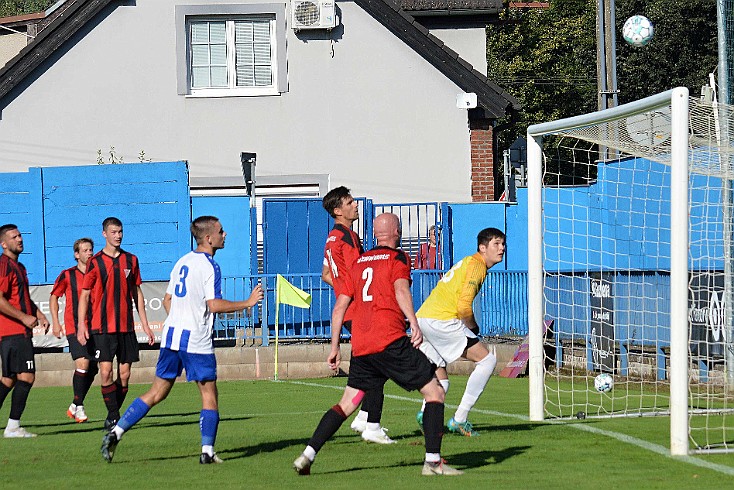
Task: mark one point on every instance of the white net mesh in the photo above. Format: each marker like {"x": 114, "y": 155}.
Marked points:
{"x": 606, "y": 228}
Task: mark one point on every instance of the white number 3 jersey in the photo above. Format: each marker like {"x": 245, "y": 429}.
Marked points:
{"x": 195, "y": 279}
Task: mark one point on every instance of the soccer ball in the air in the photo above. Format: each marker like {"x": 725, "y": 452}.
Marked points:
{"x": 604, "y": 383}
{"x": 637, "y": 30}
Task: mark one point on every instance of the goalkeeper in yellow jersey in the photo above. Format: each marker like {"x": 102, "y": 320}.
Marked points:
{"x": 450, "y": 330}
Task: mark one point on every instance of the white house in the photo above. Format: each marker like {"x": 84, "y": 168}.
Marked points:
{"x": 366, "y": 99}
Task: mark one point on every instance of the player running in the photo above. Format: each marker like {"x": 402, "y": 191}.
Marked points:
{"x": 69, "y": 285}
{"x": 193, "y": 297}
{"x": 381, "y": 350}
{"x": 450, "y": 329}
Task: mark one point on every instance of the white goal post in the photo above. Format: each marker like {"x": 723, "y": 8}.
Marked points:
{"x": 629, "y": 234}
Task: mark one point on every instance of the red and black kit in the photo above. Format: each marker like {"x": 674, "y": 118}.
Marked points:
{"x": 113, "y": 282}
{"x": 69, "y": 285}
{"x": 14, "y": 287}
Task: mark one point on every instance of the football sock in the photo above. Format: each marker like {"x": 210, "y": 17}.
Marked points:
{"x": 12, "y": 424}
{"x": 208, "y": 424}
{"x": 433, "y": 426}
{"x": 475, "y": 386}
{"x": 444, "y": 384}
{"x": 433, "y": 458}
{"x": 121, "y": 393}
{"x": 330, "y": 423}
{"x": 19, "y": 399}
{"x": 310, "y": 453}
{"x": 78, "y": 384}
{"x": 208, "y": 450}
{"x": 4, "y": 390}
{"x": 109, "y": 395}
{"x": 372, "y": 404}
{"x": 136, "y": 411}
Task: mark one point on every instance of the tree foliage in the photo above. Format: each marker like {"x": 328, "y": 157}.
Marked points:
{"x": 547, "y": 57}
{"x": 17, "y": 7}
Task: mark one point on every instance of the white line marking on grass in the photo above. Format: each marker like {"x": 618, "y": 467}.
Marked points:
{"x": 649, "y": 446}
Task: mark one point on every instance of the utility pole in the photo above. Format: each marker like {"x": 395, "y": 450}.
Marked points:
{"x": 606, "y": 59}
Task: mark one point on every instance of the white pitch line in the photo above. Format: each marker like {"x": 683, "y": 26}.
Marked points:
{"x": 634, "y": 441}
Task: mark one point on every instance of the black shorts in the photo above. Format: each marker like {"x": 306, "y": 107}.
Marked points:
{"x": 408, "y": 367}
{"x": 16, "y": 352}
{"x": 470, "y": 341}
{"x": 79, "y": 351}
{"x": 124, "y": 346}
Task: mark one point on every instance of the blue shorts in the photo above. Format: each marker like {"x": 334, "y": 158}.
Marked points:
{"x": 199, "y": 367}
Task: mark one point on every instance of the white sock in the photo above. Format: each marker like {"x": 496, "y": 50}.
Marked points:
{"x": 433, "y": 457}
{"x": 208, "y": 450}
{"x": 310, "y": 453}
{"x": 12, "y": 424}
{"x": 119, "y": 431}
{"x": 444, "y": 384}
{"x": 373, "y": 426}
{"x": 475, "y": 386}
{"x": 362, "y": 415}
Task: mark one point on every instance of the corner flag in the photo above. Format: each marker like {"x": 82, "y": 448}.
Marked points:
{"x": 287, "y": 294}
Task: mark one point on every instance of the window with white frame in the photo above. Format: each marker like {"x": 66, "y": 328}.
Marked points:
{"x": 237, "y": 51}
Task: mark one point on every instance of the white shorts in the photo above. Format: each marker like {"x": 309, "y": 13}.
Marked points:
{"x": 443, "y": 340}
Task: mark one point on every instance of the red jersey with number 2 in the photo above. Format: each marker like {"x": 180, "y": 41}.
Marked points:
{"x": 378, "y": 320}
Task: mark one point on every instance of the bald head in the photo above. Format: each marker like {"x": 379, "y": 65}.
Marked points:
{"x": 387, "y": 230}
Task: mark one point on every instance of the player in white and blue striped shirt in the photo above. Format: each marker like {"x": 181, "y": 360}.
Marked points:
{"x": 193, "y": 297}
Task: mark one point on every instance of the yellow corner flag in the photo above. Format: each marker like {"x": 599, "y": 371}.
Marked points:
{"x": 288, "y": 294}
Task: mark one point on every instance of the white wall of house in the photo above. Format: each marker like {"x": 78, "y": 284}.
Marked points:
{"x": 469, "y": 43}
{"x": 364, "y": 109}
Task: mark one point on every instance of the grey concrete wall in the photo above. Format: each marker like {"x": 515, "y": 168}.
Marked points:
{"x": 243, "y": 363}
{"x": 361, "y": 107}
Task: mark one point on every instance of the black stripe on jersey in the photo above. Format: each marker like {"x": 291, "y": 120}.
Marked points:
{"x": 131, "y": 288}
{"x": 116, "y": 294}
{"x": 347, "y": 237}
{"x": 74, "y": 295}
{"x": 402, "y": 257}
{"x": 103, "y": 301}
{"x": 22, "y": 287}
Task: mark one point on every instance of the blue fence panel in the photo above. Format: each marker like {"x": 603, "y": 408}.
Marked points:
{"x": 503, "y": 304}
{"x": 21, "y": 203}
{"x": 151, "y": 199}
{"x": 234, "y": 214}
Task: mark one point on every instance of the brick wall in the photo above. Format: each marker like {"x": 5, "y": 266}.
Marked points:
{"x": 482, "y": 160}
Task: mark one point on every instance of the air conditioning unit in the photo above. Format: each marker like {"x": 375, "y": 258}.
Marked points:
{"x": 313, "y": 14}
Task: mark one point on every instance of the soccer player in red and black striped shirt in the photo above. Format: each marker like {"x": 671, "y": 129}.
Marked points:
{"x": 113, "y": 283}
{"x": 18, "y": 315}
{"x": 340, "y": 253}
{"x": 381, "y": 350}
{"x": 69, "y": 285}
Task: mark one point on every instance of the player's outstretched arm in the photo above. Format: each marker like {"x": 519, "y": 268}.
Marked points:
{"x": 405, "y": 302}
{"x": 225, "y": 306}
{"x": 337, "y": 320}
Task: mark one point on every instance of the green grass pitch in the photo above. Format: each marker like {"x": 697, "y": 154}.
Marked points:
{"x": 265, "y": 425}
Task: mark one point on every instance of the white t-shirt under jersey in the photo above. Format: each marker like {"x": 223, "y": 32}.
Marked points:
{"x": 195, "y": 279}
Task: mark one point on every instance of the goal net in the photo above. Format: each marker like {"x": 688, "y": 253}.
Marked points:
{"x": 630, "y": 267}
